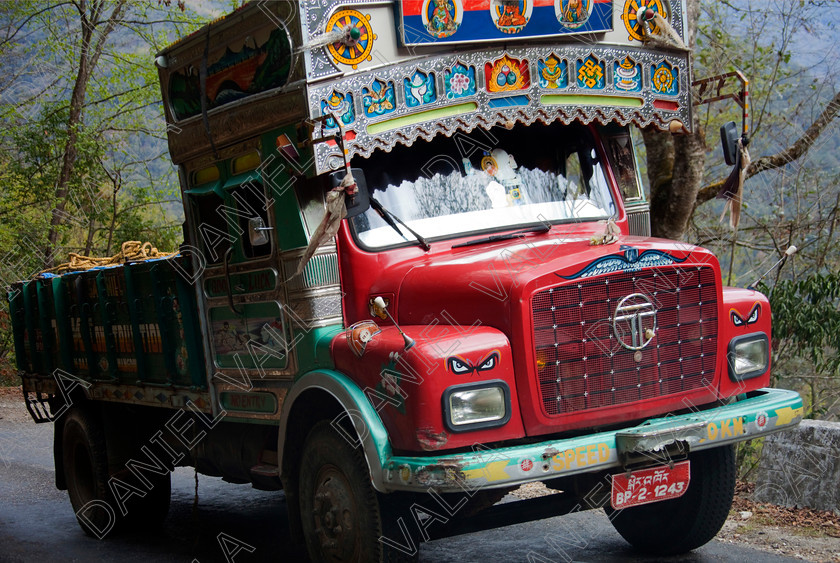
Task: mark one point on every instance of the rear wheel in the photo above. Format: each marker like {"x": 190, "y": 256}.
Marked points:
{"x": 685, "y": 523}
{"x": 341, "y": 513}
{"x": 86, "y": 469}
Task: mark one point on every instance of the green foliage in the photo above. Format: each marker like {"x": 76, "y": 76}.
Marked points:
{"x": 120, "y": 183}
{"x": 807, "y": 314}
{"x": 747, "y": 457}
{"x": 96, "y": 175}
{"x": 806, "y": 340}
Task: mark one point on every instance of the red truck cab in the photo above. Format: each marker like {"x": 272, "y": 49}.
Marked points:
{"x": 417, "y": 273}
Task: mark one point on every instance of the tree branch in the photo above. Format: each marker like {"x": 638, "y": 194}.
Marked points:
{"x": 28, "y": 19}
{"x": 788, "y": 155}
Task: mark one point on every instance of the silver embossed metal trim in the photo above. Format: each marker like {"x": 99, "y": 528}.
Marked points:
{"x": 318, "y": 310}
{"x": 320, "y": 271}
{"x": 407, "y": 124}
{"x": 314, "y": 15}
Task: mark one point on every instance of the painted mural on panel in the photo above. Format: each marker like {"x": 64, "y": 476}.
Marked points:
{"x": 573, "y": 13}
{"x": 260, "y": 62}
{"x": 511, "y": 16}
{"x": 358, "y": 43}
{"x": 553, "y": 72}
{"x": 469, "y": 21}
{"x": 420, "y": 89}
{"x": 442, "y": 18}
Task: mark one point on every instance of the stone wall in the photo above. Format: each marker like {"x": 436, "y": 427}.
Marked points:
{"x": 801, "y": 467}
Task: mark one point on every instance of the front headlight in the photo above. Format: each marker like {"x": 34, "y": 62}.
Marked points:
{"x": 749, "y": 356}
{"x": 472, "y": 406}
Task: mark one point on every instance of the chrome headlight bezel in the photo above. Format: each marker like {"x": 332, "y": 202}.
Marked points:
{"x": 739, "y": 350}
{"x": 464, "y": 388}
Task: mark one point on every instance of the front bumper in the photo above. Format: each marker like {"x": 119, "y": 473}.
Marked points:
{"x": 763, "y": 412}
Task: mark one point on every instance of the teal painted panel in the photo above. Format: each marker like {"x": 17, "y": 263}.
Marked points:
{"x": 257, "y": 336}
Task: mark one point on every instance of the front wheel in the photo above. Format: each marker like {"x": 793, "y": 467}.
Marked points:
{"x": 685, "y": 523}
{"x": 341, "y": 513}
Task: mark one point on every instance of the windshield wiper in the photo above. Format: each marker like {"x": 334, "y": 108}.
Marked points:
{"x": 390, "y": 218}
{"x": 506, "y": 236}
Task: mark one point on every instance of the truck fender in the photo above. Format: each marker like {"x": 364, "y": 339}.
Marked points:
{"x": 354, "y": 407}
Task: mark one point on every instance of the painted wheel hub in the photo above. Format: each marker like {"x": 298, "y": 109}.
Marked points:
{"x": 333, "y": 512}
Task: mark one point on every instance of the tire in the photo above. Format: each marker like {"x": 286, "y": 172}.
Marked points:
{"x": 677, "y": 526}
{"x": 85, "y": 463}
{"x": 341, "y": 513}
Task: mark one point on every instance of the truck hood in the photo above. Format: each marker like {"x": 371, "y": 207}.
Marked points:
{"x": 488, "y": 283}
{"x": 560, "y": 358}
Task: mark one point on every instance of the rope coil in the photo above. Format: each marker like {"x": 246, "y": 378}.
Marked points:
{"x": 130, "y": 251}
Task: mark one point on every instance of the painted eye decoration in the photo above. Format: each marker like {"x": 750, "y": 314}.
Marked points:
{"x": 489, "y": 363}
{"x": 458, "y": 366}
{"x": 462, "y": 366}
{"x": 751, "y": 318}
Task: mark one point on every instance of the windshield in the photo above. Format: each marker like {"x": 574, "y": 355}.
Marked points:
{"x": 483, "y": 182}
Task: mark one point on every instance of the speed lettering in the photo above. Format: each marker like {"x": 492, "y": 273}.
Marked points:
{"x": 581, "y": 456}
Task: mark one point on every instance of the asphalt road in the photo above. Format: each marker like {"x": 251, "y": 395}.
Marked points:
{"x": 37, "y": 524}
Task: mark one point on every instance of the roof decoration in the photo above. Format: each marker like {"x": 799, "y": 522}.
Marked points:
{"x": 462, "y": 91}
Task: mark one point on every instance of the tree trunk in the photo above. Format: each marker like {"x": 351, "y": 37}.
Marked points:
{"x": 675, "y": 166}
{"x": 673, "y": 195}
{"x": 92, "y": 45}
{"x": 77, "y": 102}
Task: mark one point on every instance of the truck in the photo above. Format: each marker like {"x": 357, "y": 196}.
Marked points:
{"x": 417, "y": 273}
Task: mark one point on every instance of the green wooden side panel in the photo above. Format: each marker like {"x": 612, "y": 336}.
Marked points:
{"x": 279, "y": 184}
{"x": 148, "y": 321}
{"x": 192, "y": 342}
{"x": 47, "y": 324}
{"x": 32, "y": 333}
{"x": 134, "y": 305}
{"x": 81, "y": 327}
{"x": 132, "y": 324}
{"x": 62, "y": 318}
{"x": 106, "y": 313}
{"x": 17, "y": 313}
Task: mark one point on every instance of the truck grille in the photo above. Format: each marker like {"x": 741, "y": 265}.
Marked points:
{"x": 580, "y": 363}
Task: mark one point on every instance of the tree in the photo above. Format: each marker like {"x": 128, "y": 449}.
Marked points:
{"x": 96, "y": 20}
{"x": 83, "y": 144}
{"x": 759, "y": 40}
{"x": 791, "y": 194}
{"x": 807, "y": 326}
{"x": 81, "y": 133}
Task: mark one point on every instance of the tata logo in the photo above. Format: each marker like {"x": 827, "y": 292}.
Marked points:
{"x": 634, "y": 322}
{"x": 630, "y": 254}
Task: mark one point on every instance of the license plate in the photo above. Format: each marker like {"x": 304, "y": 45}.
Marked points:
{"x": 649, "y": 485}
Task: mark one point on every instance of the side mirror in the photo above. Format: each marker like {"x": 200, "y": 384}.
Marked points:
{"x": 356, "y": 204}
{"x": 257, "y": 231}
{"x": 729, "y": 140}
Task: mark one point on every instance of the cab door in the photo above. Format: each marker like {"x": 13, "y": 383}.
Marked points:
{"x": 233, "y": 228}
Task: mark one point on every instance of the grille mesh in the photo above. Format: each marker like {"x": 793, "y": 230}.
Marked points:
{"x": 580, "y": 363}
